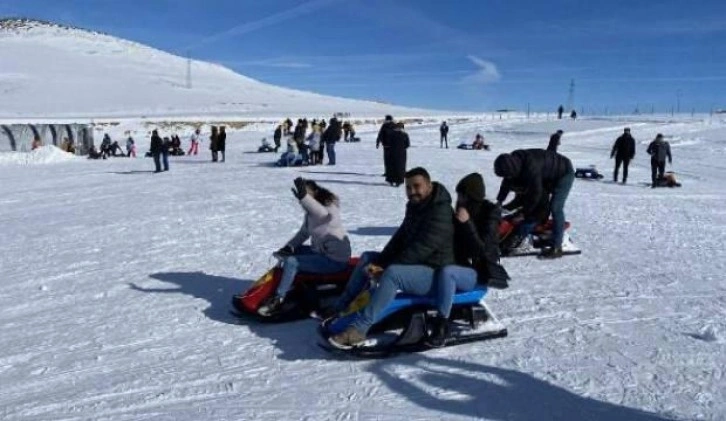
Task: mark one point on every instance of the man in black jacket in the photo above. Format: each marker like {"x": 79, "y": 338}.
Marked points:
{"x": 156, "y": 148}
{"x": 330, "y": 136}
{"x": 444, "y": 131}
{"x": 384, "y": 138}
{"x": 658, "y": 150}
{"x": 537, "y": 173}
{"x": 623, "y": 152}
{"x": 422, "y": 244}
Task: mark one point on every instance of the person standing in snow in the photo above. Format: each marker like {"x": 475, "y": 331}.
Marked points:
{"x": 399, "y": 143}
{"x": 560, "y": 110}
{"x": 330, "y": 137}
{"x": 156, "y": 149}
{"x": 537, "y": 173}
{"x": 194, "y": 148}
{"x": 444, "y": 131}
{"x": 277, "y": 137}
{"x": 384, "y": 139}
{"x": 166, "y": 146}
{"x": 623, "y": 151}
{"x": 555, "y": 141}
{"x": 329, "y": 250}
{"x": 222, "y": 141}
{"x": 314, "y": 145}
{"x": 130, "y": 147}
{"x": 658, "y": 150}
{"x": 213, "y": 143}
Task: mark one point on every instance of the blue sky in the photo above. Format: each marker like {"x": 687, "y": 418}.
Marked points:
{"x": 445, "y": 54}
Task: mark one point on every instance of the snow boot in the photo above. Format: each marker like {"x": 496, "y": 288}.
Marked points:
{"x": 348, "y": 339}
{"x": 439, "y": 332}
{"x": 552, "y": 253}
{"x": 270, "y": 306}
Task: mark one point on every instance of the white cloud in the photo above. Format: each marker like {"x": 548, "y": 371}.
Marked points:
{"x": 487, "y": 72}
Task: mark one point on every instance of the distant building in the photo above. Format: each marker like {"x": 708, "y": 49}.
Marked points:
{"x": 19, "y": 137}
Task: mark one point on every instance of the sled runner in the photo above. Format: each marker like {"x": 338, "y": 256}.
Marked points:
{"x": 589, "y": 173}
{"x": 404, "y": 326}
{"x": 308, "y": 293}
{"x": 541, "y": 240}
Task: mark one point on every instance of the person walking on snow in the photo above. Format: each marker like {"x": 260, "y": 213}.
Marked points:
{"x": 130, "y": 147}
{"x": 658, "y": 150}
{"x": 213, "y": 143}
{"x": 222, "y": 141}
{"x": 194, "y": 149}
{"x": 444, "y": 131}
{"x": 329, "y": 250}
{"x": 155, "y": 148}
{"x": 398, "y": 145}
{"x": 384, "y": 139}
{"x": 623, "y": 151}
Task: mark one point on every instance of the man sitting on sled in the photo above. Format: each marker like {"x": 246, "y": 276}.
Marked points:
{"x": 422, "y": 244}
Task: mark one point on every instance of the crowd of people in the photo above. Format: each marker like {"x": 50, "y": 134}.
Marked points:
{"x": 309, "y": 148}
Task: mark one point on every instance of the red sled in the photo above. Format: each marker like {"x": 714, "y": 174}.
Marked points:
{"x": 541, "y": 239}
{"x": 307, "y": 295}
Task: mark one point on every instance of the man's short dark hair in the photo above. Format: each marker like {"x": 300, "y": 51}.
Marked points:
{"x": 418, "y": 171}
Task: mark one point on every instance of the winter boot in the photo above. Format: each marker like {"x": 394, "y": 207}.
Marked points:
{"x": 439, "y": 332}
{"x": 552, "y": 253}
{"x": 349, "y": 338}
{"x": 270, "y": 306}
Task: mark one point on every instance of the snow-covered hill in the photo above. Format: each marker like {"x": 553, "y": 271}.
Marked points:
{"x": 51, "y": 71}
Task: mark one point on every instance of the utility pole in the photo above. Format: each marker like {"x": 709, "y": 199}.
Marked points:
{"x": 678, "y": 101}
{"x": 571, "y": 96}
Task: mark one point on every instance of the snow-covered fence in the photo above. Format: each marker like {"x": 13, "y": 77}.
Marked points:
{"x": 19, "y": 137}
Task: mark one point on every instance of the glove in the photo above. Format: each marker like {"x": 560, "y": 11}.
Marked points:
{"x": 377, "y": 145}
{"x": 283, "y": 252}
{"x": 299, "y": 190}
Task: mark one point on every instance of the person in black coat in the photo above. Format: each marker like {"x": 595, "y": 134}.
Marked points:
{"x": 384, "y": 139}
{"x": 222, "y": 141}
{"x": 444, "y": 131}
{"x": 623, "y": 151}
{"x": 156, "y": 147}
{"x": 330, "y": 136}
{"x": 422, "y": 244}
{"x": 537, "y": 173}
{"x": 399, "y": 143}
{"x": 277, "y": 137}
{"x": 658, "y": 150}
{"x": 560, "y": 110}
{"x": 476, "y": 250}
{"x": 555, "y": 141}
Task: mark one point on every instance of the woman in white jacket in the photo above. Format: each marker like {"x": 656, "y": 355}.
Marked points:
{"x": 329, "y": 250}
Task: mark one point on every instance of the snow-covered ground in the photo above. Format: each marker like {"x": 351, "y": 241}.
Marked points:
{"x": 116, "y": 285}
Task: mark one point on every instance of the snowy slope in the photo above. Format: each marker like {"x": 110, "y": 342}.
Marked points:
{"x": 116, "y": 284}
{"x": 49, "y": 71}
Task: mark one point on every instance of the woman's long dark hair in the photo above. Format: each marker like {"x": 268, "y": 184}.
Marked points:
{"x": 321, "y": 194}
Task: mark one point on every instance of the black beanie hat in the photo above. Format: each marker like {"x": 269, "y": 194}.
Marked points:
{"x": 472, "y": 186}
{"x": 507, "y": 165}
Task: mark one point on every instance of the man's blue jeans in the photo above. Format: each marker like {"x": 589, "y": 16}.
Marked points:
{"x": 557, "y": 206}
{"x": 411, "y": 279}
{"x": 330, "y": 147}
